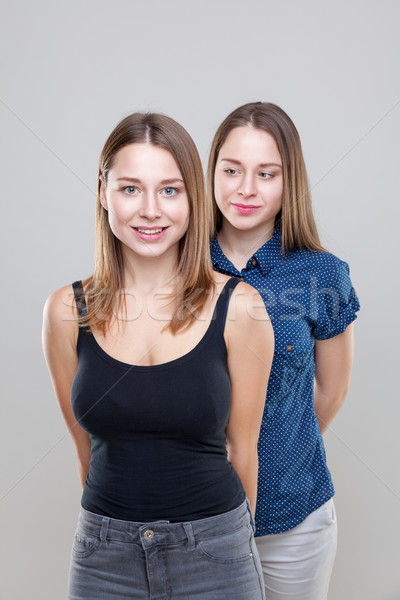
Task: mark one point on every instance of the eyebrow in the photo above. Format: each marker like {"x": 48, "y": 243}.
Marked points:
{"x": 162, "y": 182}
{"x": 237, "y": 162}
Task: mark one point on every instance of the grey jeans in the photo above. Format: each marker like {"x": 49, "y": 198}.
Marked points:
{"x": 214, "y": 558}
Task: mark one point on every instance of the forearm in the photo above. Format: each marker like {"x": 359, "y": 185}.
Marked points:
{"x": 333, "y": 362}
{"x": 83, "y": 469}
{"x": 246, "y": 466}
{"x": 82, "y": 446}
{"x": 327, "y": 404}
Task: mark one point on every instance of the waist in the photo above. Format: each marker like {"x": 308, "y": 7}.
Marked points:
{"x": 160, "y": 481}
{"x": 162, "y": 531}
{"x": 189, "y": 501}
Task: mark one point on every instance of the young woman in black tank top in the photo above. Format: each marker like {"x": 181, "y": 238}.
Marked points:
{"x": 160, "y": 367}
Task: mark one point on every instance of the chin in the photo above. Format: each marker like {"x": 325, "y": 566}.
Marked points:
{"x": 244, "y": 225}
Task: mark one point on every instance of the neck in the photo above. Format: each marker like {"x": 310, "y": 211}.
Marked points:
{"x": 239, "y": 245}
{"x": 149, "y": 274}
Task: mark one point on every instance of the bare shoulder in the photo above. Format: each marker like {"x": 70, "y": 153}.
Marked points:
{"x": 61, "y": 303}
{"x": 245, "y": 301}
{"x": 220, "y": 279}
{"x": 244, "y": 288}
{"x": 247, "y": 321}
{"x": 247, "y": 304}
{"x": 219, "y": 282}
{"x": 59, "y": 313}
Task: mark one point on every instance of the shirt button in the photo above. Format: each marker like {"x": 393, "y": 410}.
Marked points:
{"x": 149, "y": 534}
{"x": 254, "y": 262}
{"x": 289, "y": 348}
{"x": 355, "y": 293}
{"x": 241, "y": 277}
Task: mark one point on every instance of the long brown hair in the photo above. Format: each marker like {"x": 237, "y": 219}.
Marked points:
{"x": 194, "y": 271}
{"x": 295, "y": 219}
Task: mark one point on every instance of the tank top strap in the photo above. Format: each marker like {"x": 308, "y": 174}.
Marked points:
{"x": 80, "y": 298}
{"x": 221, "y": 308}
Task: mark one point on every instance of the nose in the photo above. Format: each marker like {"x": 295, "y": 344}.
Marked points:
{"x": 150, "y": 208}
{"x": 247, "y": 187}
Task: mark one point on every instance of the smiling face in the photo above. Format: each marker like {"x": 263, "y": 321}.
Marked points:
{"x": 146, "y": 200}
{"x": 248, "y": 181}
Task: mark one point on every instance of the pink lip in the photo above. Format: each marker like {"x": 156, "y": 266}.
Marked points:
{"x": 149, "y": 237}
{"x": 245, "y": 209}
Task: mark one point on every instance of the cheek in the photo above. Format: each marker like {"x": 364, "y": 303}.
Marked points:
{"x": 276, "y": 199}
{"x": 114, "y": 224}
{"x": 185, "y": 220}
{"x": 279, "y": 198}
{"x": 119, "y": 212}
{"x": 117, "y": 220}
{"x": 180, "y": 213}
{"x": 272, "y": 195}
{"x": 223, "y": 188}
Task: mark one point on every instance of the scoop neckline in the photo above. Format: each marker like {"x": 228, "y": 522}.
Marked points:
{"x": 210, "y": 331}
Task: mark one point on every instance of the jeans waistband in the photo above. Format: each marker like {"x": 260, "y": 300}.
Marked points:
{"x": 107, "y": 528}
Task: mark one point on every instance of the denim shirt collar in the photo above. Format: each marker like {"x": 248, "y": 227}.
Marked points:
{"x": 267, "y": 256}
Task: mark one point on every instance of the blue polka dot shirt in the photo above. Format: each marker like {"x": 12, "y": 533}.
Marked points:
{"x": 308, "y": 296}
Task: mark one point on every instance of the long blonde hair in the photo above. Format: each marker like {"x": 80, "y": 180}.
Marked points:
{"x": 194, "y": 270}
{"x": 295, "y": 219}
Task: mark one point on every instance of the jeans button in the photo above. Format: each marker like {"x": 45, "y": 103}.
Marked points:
{"x": 149, "y": 534}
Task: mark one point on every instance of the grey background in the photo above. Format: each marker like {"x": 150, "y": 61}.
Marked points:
{"x": 69, "y": 73}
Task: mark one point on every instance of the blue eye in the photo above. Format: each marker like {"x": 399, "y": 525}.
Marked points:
{"x": 170, "y": 191}
{"x": 130, "y": 189}
{"x": 230, "y": 171}
{"x": 265, "y": 175}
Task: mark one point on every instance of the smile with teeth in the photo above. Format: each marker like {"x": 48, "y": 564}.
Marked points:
{"x": 150, "y": 231}
{"x": 150, "y": 234}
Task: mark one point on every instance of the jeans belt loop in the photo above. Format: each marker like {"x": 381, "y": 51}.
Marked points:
{"x": 104, "y": 528}
{"x": 190, "y": 536}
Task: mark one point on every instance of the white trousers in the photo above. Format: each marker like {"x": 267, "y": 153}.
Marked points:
{"x": 297, "y": 564}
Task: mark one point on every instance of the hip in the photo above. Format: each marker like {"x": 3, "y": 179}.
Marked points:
{"x": 196, "y": 559}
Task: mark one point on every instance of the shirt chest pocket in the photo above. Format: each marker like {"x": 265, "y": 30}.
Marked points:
{"x": 293, "y": 362}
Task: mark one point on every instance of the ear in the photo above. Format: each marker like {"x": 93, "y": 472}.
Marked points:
{"x": 102, "y": 194}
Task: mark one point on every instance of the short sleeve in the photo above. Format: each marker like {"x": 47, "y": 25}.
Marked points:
{"x": 335, "y": 301}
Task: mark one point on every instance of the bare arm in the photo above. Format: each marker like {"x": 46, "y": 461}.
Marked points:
{"x": 333, "y": 363}
{"x": 250, "y": 343}
{"x": 60, "y": 331}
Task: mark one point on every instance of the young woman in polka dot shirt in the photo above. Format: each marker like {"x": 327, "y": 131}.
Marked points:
{"x": 266, "y": 235}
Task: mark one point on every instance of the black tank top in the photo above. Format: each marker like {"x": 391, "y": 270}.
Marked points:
{"x": 158, "y": 446}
